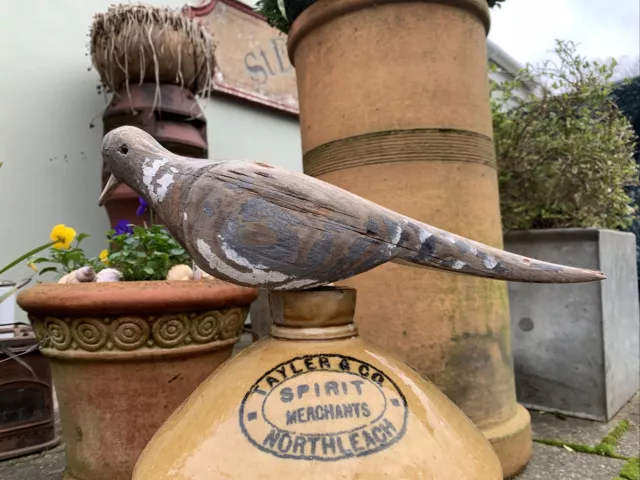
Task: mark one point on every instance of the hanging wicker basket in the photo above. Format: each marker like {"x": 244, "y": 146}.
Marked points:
{"x": 139, "y": 43}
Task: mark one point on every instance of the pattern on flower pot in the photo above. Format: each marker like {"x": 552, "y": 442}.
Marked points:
{"x": 131, "y": 332}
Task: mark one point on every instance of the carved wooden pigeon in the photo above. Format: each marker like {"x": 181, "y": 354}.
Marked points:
{"x": 257, "y": 225}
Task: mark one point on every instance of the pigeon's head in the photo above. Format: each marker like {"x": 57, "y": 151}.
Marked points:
{"x": 129, "y": 153}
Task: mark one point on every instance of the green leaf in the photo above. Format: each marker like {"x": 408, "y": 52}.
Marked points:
{"x": 81, "y": 237}
{"x": 47, "y": 270}
{"x": 25, "y": 256}
{"x": 39, "y": 260}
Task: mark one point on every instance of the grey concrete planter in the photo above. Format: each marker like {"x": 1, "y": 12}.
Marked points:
{"x": 576, "y": 347}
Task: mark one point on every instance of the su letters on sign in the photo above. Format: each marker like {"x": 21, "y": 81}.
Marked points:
{"x": 252, "y": 59}
{"x": 263, "y": 63}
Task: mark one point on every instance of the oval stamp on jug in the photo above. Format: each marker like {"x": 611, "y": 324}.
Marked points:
{"x": 325, "y": 407}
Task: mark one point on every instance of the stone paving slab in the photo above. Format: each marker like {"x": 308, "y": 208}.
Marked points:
{"x": 552, "y": 463}
{"x": 586, "y": 432}
{"x": 48, "y": 465}
{"x": 547, "y": 463}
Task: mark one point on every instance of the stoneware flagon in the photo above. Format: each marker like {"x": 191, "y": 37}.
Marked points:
{"x": 315, "y": 401}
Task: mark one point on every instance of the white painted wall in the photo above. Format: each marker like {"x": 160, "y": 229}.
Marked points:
{"x": 51, "y": 171}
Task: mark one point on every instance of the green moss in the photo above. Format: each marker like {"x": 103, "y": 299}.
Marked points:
{"x": 576, "y": 447}
{"x": 614, "y": 436}
{"x": 606, "y": 447}
{"x": 630, "y": 470}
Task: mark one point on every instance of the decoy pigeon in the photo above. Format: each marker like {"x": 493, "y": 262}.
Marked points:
{"x": 257, "y": 225}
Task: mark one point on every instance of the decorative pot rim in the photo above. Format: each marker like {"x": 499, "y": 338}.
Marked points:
{"x": 319, "y": 13}
{"x": 110, "y": 298}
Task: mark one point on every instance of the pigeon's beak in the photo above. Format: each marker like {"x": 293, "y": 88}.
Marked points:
{"x": 111, "y": 185}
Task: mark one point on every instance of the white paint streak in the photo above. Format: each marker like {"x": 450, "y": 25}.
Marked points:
{"x": 150, "y": 169}
{"x": 449, "y": 238}
{"x": 395, "y": 238}
{"x": 238, "y": 259}
{"x": 423, "y": 235}
{"x": 396, "y": 235}
{"x": 174, "y": 169}
{"x": 255, "y": 277}
{"x": 458, "y": 265}
{"x": 184, "y": 215}
{"x": 165, "y": 182}
{"x": 490, "y": 262}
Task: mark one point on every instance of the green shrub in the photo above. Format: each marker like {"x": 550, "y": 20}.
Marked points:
{"x": 564, "y": 152}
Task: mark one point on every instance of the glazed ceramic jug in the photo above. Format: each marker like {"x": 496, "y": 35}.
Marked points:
{"x": 315, "y": 401}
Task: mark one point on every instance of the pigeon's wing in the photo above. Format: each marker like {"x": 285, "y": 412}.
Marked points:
{"x": 283, "y": 229}
{"x": 255, "y": 224}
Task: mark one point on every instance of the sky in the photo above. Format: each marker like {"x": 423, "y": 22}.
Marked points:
{"x": 527, "y": 29}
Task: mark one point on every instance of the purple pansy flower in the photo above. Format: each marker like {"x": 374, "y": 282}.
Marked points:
{"x": 122, "y": 227}
{"x": 142, "y": 208}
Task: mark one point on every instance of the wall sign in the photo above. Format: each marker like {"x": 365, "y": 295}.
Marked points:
{"x": 252, "y": 56}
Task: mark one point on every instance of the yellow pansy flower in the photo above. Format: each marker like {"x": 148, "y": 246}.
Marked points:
{"x": 104, "y": 256}
{"x": 63, "y": 236}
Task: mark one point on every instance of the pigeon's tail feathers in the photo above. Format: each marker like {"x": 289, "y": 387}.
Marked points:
{"x": 442, "y": 250}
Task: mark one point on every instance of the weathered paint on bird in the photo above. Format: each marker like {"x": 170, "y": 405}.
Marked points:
{"x": 257, "y": 225}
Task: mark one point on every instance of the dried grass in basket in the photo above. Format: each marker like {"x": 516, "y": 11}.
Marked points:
{"x": 142, "y": 43}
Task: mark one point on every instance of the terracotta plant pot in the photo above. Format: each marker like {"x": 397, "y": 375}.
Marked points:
{"x": 312, "y": 402}
{"x": 394, "y": 107}
{"x": 125, "y": 355}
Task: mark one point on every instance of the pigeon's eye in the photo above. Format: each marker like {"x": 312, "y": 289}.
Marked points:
{"x": 124, "y": 149}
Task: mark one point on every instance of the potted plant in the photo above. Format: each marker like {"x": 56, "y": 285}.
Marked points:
{"x": 394, "y": 107}
{"x": 565, "y": 156}
{"x": 126, "y": 345}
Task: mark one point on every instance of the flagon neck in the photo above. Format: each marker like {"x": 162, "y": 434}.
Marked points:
{"x": 324, "y": 313}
